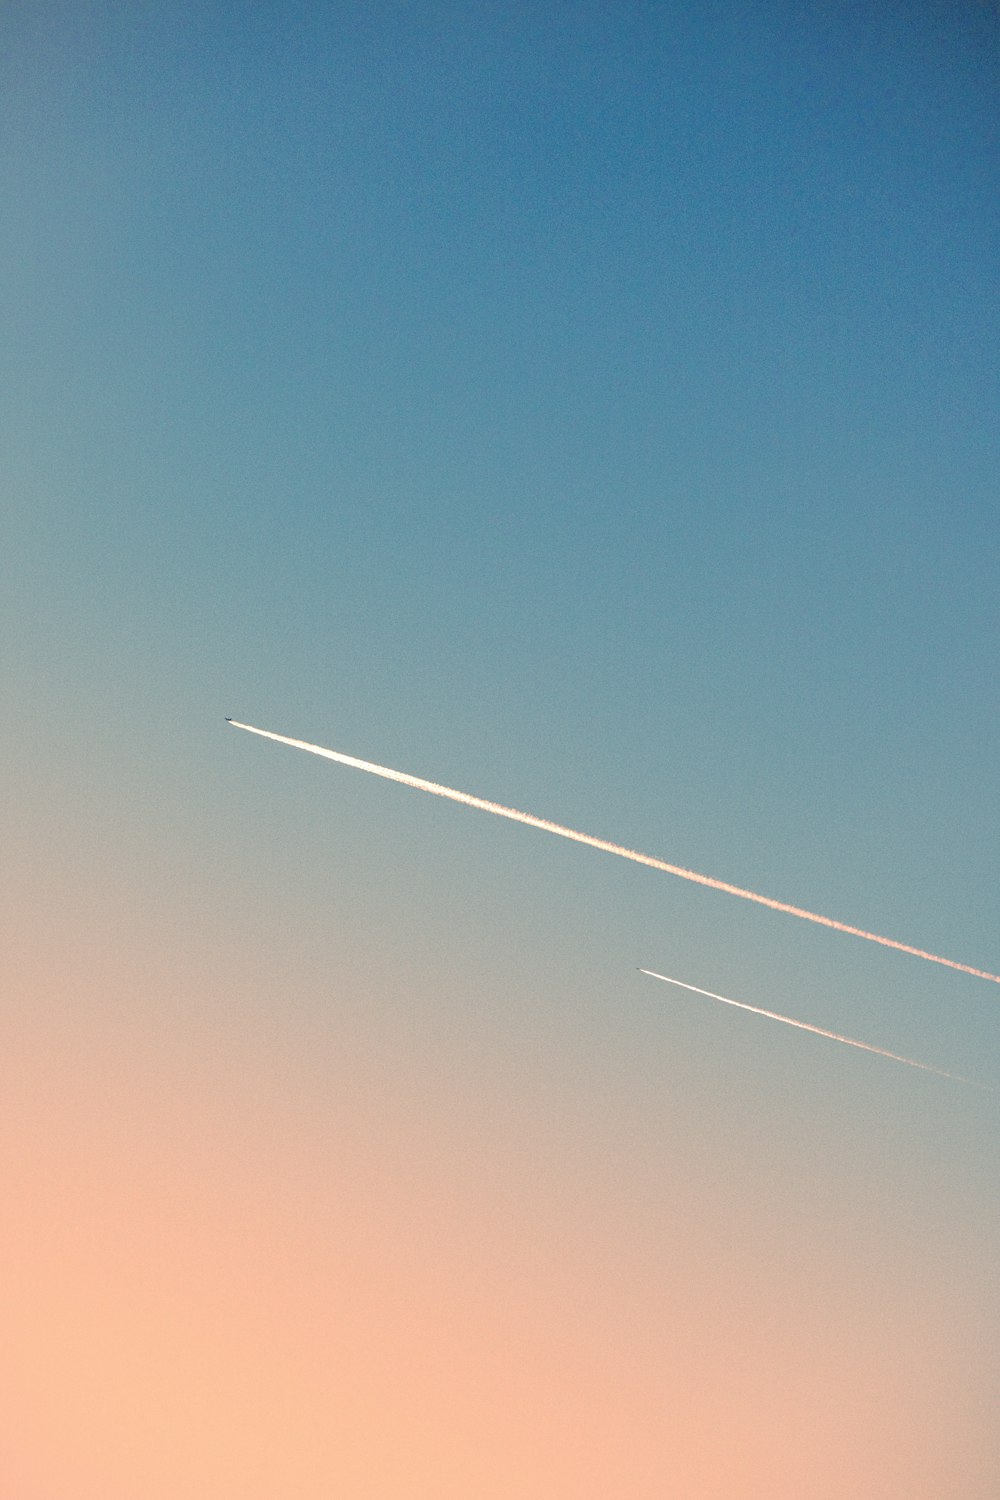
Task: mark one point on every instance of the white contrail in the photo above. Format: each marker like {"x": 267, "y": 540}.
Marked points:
{"x": 833, "y": 1036}
{"x": 586, "y": 838}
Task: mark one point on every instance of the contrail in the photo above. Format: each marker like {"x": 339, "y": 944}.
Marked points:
{"x": 834, "y": 1036}
{"x": 586, "y": 838}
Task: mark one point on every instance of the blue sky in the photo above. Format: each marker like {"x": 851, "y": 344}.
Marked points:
{"x": 591, "y": 407}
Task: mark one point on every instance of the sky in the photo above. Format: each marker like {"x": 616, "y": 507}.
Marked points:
{"x": 593, "y": 408}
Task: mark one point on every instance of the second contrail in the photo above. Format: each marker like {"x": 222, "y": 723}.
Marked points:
{"x": 833, "y": 1036}
{"x": 468, "y": 800}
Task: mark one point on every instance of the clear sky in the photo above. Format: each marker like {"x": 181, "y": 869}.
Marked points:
{"x": 592, "y": 407}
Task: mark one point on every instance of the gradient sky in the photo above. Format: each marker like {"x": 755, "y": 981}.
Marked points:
{"x": 591, "y": 407}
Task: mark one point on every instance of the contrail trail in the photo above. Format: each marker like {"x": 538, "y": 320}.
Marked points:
{"x": 833, "y": 1036}
{"x": 586, "y": 838}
